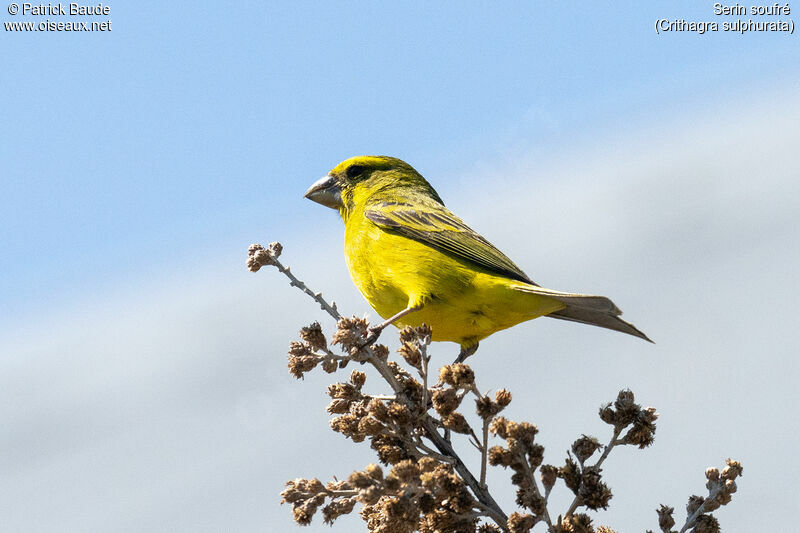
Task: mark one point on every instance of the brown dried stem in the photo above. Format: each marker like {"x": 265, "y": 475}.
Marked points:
{"x": 259, "y": 256}
{"x": 614, "y": 441}
{"x": 422, "y": 491}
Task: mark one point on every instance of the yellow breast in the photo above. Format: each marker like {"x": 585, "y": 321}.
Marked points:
{"x": 461, "y": 302}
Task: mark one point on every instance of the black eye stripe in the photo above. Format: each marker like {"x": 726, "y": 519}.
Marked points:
{"x": 354, "y": 171}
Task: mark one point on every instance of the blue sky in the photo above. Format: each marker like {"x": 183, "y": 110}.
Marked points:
{"x": 172, "y": 130}
{"x": 139, "y": 164}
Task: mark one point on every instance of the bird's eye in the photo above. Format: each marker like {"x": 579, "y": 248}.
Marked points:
{"x": 354, "y": 171}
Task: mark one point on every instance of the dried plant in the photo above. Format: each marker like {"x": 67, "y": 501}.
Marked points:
{"x": 423, "y": 484}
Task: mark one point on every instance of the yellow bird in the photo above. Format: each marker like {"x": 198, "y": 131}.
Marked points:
{"x": 416, "y": 262}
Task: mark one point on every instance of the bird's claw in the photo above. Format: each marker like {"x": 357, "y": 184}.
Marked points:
{"x": 372, "y": 335}
{"x": 466, "y": 352}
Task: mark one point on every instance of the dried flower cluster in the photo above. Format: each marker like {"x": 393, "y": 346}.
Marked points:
{"x": 422, "y": 490}
{"x": 428, "y": 487}
{"x": 524, "y": 456}
{"x": 424, "y": 495}
{"x": 720, "y": 485}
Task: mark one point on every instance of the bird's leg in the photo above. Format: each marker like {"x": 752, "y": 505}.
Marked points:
{"x": 375, "y": 331}
{"x": 466, "y": 352}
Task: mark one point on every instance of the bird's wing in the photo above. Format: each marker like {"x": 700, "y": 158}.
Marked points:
{"x": 436, "y": 226}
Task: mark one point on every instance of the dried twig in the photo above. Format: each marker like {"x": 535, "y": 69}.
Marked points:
{"x": 433, "y": 490}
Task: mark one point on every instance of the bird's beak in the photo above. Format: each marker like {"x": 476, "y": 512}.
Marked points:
{"x": 327, "y": 192}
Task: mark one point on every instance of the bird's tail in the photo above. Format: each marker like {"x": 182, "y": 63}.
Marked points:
{"x": 587, "y": 309}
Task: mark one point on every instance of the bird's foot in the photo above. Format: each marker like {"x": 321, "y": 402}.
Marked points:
{"x": 466, "y": 352}
{"x": 372, "y": 335}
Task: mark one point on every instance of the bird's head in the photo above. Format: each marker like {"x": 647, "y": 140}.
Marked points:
{"x": 369, "y": 177}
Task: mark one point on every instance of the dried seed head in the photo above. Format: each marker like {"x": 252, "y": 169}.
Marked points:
{"x": 444, "y": 482}
{"x": 584, "y": 447}
{"x": 577, "y": 523}
{"x": 530, "y": 499}
{"x": 627, "y": 409}
{"x": 711, "y": 505}
{"x": 391, "y": 450}
{"x": 275, "y": 249}
{"x": 499, "y": 456}
{"x": 694, "y": 504}
{"x": 374, "y": 471}
{"x": 516, "y": 447}
{"x": 350, "y": 333}
{"x": 330, "y": 365}
{"x": 445, "y": 401}
{"x": 300, "y": 365}
{"x": 370, "y": 495}
{"x": 523, "y": 431}
{"x": 379, "y": 410}
{"x": 520, "y": 523}
{"x": 411, "y": 354}
{"x": 337, "y": 484}
{"x": 381, "y": 351}
{"x": 665, "y": 519}
{"x": 313, "y": 336}
{"x": 499, "y": 427}
{"x": 593, "y": 492}
{"x": 347, "y": 425}
{"x": 426, "y": 502}
{"x": 398, "y": 371}
{"x": 706, "y": 523}
{"x": 458, "y": 375}
{"x": 337, "y": 508}
{"x": 642, "y": 433}
{"x": 360, "y": 480}
{"x": 625, "y": 399}
{"x": 303, "y": 514}
{"x": 412, "y": 390}
{"x": 424, "y": 333}
{"x": 405, "y": 471}
{"x": 305, "y": 495}
{"x": 338, "y": 407}
{"x": 502, "y": 397}
{"x": 712, "y": 474}
{"x": 485, "y": 407}
{"x": 421, "y": 334}
{"x": 723, "y": 498}
{"x": 358, "y": 379}
{"x": 252, "y": 264}
{"x": 428, "y": 464}
{"x": 299, "y": 349}
{"x": 344, "y": 391}
{"x": 732, "y": 470}
{"x": 535, "y": 454}
{"x": 399, "y": 413}
{"x": 549, "y": 473}
{"x": 608, "y": 414}
{"x": 293, "y": 491}
{"x": 257, "y": 256}
{"x": 456, "y": 422}
{"x": 571, "y": 475}
{"x": 370, "y": 426}
{"x": 408, "y": 334}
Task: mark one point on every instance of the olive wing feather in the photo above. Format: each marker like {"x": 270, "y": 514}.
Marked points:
{"x": 436, "y": 226}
